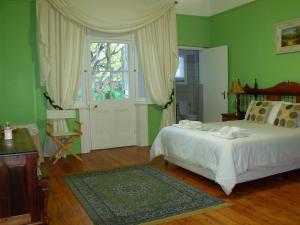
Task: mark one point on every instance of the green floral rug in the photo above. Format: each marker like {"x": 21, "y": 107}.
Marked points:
{"x": 136, "y": 195}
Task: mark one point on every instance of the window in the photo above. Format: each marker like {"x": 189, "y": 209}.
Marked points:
{"x": 142, "y": 95}
{"x": 180, "y": 76}
{"x": 109, "y": 70}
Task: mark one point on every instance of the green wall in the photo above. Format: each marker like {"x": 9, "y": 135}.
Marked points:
{"x": 21, "y": 96}
{"x": 154, "y": 117}
{"x": 17, "y": 62}
{"x": 247, "y": 30}
{"x": 249, "y": 33}
{"x": 192, "y": 31}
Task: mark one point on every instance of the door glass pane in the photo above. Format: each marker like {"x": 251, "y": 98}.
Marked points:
{"x": 99, "y": 59}
{"x": 119, "y": 56}
{"x": 120, "y": 85}
{"x": 110, "y": 72}
{"x": 100, "y": 86}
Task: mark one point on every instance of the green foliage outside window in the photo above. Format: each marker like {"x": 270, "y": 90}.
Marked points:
{"x": 109, "y": 67}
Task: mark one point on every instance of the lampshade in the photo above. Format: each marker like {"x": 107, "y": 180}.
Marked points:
{"x": 236, "y": 87}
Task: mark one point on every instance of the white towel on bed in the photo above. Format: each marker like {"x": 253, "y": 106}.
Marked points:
{"x": 228, "y": 132}
{"x": 189, "y": 124}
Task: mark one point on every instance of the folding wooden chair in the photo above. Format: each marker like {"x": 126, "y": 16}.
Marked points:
{"x": 63, "y": 137}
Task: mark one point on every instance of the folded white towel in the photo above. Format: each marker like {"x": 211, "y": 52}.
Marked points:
{"x": 228, "y": 132}
{"x": 184, "y": 122}
{"x": 189, "y": 124}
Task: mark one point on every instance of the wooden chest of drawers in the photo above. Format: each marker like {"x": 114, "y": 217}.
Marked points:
{"x": 21, "y": 198}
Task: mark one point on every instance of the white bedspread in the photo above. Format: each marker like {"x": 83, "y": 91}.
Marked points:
{"x": 266, "y": 146}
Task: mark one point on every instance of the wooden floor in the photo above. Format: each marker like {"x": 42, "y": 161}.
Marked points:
{"x": 274, "y": 200}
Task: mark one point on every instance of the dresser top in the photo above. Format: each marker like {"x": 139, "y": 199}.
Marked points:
{"x": 21, "y": 143}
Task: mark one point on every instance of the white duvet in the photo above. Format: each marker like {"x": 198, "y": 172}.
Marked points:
{"x": 265, "y": 146}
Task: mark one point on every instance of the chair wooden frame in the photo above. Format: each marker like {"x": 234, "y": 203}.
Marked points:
{"x": 64, "y": 140}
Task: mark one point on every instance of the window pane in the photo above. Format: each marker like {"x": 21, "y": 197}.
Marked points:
{"x": 101, "y": 86}
{"x": 119, "y": 56}
{"x": 141, "y": 90}
{"x": 120, "y": 85}
{"x": 80, "y": 92}
{"x": 99, "y": 56}
{"x": 180, "y": 71}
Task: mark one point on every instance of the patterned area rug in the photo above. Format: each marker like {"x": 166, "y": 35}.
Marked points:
{"x": 135, "y": 195}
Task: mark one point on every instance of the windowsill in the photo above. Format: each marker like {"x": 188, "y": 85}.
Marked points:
{"x": 181, "y": 82}
{"x": 137, "y": 102}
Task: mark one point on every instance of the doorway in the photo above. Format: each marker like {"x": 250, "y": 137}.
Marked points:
{"x": 113, "y": 110}
{"x": 188, "y": 90}
{"x": 111, "y": 101}
{"x": 214, "y": 81}
{"x": 202, "y": 84}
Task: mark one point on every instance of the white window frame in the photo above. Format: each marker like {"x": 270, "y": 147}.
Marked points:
{"x": 134, "y": 84}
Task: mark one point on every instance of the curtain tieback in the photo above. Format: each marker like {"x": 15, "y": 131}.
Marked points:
{"x": 170, "y": 100}
{"x": 52, "y": 102}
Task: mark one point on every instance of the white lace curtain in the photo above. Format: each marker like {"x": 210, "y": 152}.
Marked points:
{"x": 61, "y": 32}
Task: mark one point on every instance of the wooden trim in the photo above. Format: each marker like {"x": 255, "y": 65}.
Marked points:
{"x": 280, "y": 89}
{"x": 16, "y": 220}
{"x": 232, "y": 116}
{"x": 278, "y": 92}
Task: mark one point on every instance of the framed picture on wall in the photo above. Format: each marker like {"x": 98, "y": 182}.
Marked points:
{"x": 288, "y": 36}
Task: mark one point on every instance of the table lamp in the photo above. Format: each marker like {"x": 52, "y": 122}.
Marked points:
{"x": 237, "y": 89}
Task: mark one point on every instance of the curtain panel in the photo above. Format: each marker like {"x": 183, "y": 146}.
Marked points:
{"x": 159, "y": 59}
{"x": 61, "y": 29}
{"x": 113, "y": 16}
{"x": 60, "y": 45}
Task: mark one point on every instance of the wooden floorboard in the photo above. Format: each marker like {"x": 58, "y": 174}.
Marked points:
{"x": 273, "y": 200}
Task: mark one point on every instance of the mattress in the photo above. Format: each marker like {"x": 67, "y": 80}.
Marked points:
{"x": 265, "y": 147}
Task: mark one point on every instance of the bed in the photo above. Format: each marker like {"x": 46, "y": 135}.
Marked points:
{"x": 265, "y": 151}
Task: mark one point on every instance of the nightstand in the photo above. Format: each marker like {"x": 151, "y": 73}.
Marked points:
{"x": 232, "y": 116}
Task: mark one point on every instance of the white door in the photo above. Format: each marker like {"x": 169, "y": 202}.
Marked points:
{"x": 112, "y": 110}
{"x": 214, "y": 80}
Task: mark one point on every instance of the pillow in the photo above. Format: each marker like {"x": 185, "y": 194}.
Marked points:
{"x": 274, "y": 111}
{"x": 259, "y": 111}
{"x": 298, "y": 120}
{"x": 249, "y": 108}
{"x": 288, "y": 116}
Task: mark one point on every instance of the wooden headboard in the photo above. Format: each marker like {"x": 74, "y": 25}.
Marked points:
{"x": 284, "y": 91}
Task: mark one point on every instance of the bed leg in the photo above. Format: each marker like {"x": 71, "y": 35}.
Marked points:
{"x": 166, "y": 163}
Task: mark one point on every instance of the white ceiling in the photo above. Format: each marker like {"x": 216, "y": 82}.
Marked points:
{"x": 207, "y": 7}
